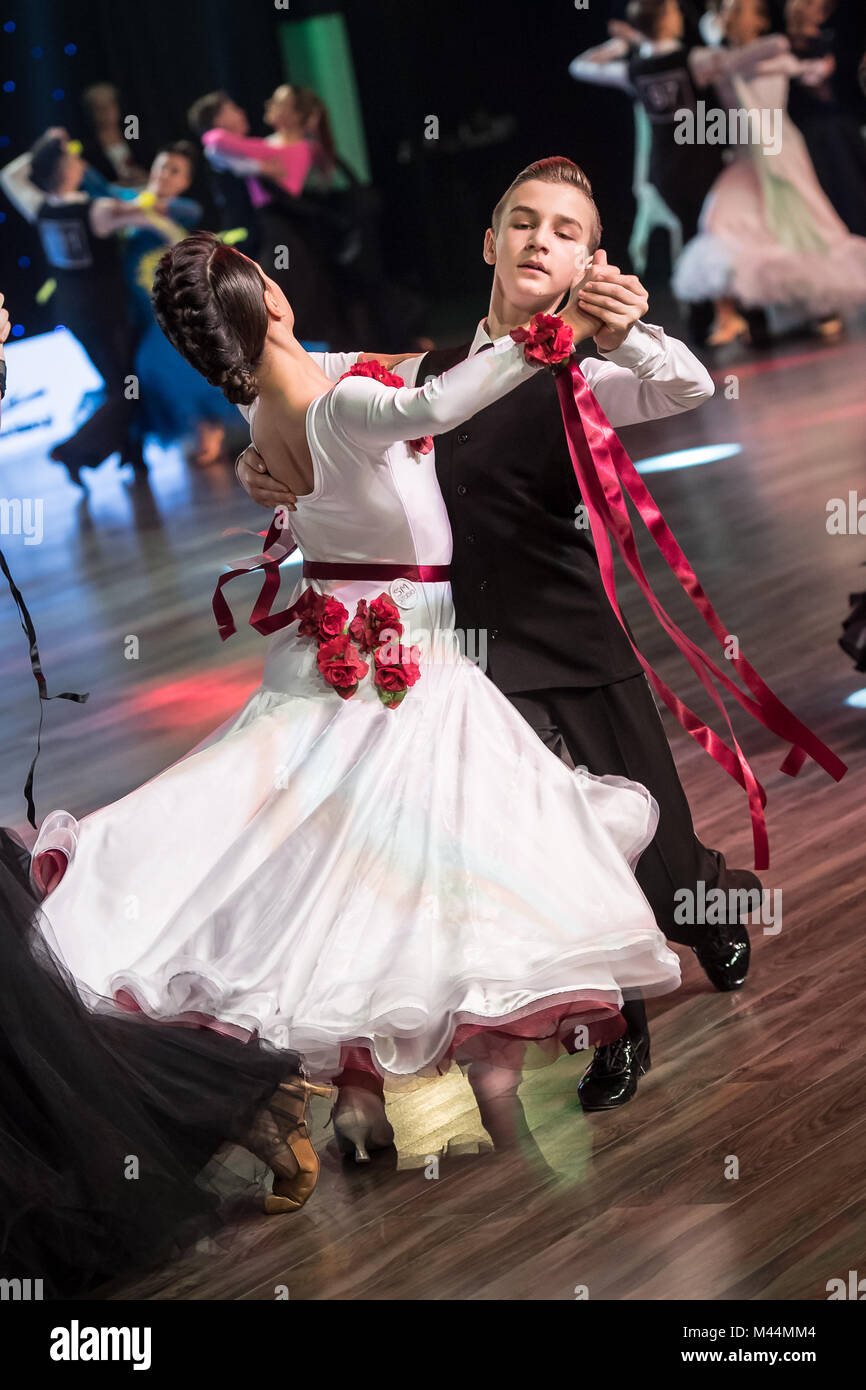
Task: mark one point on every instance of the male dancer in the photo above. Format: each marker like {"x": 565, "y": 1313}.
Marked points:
{"x": 526, "y": 571}
{"x": 77, "y": 234}
{"x": 216, "y": 110}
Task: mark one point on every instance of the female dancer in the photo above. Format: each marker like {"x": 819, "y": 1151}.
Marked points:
{"x": 176, "y": 402}
{"x": 106, "y": 1119}
{"x": 768, "y": 235}
{"x": 376, "y": 861}
{"x": 300, "y": 146}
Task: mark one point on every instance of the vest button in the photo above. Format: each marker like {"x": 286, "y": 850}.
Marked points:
{"x": 483, "y": 585}
{"x": 470, "y": 540}
{"x": 461, "y": 490}
{"x": 462, "y": 436}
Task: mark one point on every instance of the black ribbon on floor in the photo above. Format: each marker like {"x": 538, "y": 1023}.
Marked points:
{"x": 36, "y": 666}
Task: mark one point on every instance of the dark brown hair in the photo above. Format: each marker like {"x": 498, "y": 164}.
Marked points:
{"x": 186, "y": 149}
{"x": 645, "y": 15}
{"x": 209, "y": 303}
{"x": 309, "y": 103}
{"x": 46, "y": 161}
{"x": 203, "y": 112}
{"x": 555, "y": 169}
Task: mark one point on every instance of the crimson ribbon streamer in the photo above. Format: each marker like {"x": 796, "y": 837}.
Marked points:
{"x": 603, "y": 470}
{"x": 39, "y": 676}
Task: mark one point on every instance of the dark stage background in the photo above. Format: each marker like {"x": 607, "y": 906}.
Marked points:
{"x": 496, "y": 76}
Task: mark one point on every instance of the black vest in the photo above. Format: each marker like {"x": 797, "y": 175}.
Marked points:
{"x": 522, "y": 568}
{"x": 72, "y": 249}
{"x": 682, "y": 173}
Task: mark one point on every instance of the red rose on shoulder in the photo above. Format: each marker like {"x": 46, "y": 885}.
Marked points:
{"x": 548, "y": 340}
{"x": 375, "y": 371}
{"x": 341, "y": 666}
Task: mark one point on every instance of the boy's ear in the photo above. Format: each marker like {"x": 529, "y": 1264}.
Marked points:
{"x": 490, "y": 246}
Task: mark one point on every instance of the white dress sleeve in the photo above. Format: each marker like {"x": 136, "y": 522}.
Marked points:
{"x": 370, "y": 414}
{"x": 712, "y": 64}
{"x": 15, "y": 182}
{"x": 611, "y": 71}
{"x": 334, "y": 364}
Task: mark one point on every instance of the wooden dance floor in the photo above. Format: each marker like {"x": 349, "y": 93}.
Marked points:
{"x": 646, "y": 1201}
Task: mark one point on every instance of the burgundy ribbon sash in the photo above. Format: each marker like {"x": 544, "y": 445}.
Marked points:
{"x": 422, "y": 574}
{"x": 603, "y": 469}
{"x": 273, "y": 553}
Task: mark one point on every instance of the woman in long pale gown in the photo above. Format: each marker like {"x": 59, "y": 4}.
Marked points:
{"x": 376, "y": 861}
{"x": 768, "y": 234}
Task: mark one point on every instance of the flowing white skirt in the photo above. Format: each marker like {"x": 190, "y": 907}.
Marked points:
{"x": 329, "y": 873}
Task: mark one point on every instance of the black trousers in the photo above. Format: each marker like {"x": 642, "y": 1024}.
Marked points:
{"x": 110, "y": 340}
{"x": 617, "y": 729}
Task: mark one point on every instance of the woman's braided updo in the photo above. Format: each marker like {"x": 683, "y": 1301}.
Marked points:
{"x": 209, "y": 303}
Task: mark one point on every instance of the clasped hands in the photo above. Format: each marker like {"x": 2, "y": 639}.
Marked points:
{"x": 604, "y": 304}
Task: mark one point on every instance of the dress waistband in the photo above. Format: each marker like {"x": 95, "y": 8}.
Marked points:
{"x": 422, "y": 574}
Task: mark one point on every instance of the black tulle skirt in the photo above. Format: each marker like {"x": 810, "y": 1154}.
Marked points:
{"x": 107, "y": 1120}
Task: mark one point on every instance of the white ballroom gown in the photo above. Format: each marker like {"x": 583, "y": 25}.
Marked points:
{"x": 331, "y": 872}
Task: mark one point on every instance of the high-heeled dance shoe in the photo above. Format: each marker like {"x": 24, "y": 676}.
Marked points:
{"x": 360, "y": 1124}
{"x": 281, "y": 1129}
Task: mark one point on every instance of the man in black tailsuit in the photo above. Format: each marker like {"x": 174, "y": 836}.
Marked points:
{"x": 524, "y": 568}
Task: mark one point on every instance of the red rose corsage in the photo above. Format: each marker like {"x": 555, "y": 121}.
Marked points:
{"x": 548, "y": 340}
{"x": 376, "y": 372}
{"x": 396, "y": 671}
{"x": 375, "y": 630}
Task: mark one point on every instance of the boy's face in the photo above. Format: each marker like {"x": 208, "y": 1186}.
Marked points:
{"x": 541, "y": 247}
{"x": 170, "y": 175}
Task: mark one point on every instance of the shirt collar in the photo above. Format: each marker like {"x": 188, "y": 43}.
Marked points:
{"x": 481, "y": 337}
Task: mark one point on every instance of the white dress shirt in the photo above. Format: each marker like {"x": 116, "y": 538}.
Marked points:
{"x": 648, "y": 377}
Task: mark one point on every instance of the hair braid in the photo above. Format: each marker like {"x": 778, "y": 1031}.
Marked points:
{"x": 209, "y": 303}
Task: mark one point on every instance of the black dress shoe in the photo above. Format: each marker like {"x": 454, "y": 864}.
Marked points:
{"x": 612, "y": 1076}
{"x": 724, "y": 954}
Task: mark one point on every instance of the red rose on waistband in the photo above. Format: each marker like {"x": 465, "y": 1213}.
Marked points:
{"x": 309, "y": 610}
{"x": 360, "y": 628}
{"x": 394, "y": 677}
{"x": 340, "y": 664}
{"x": 333, "y": 618}
{"x": 548, "y": 340}
{"x": 384, "y": 614}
